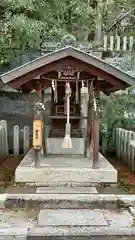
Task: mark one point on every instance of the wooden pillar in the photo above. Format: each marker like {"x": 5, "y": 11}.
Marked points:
{"x": 88, "y": 122}
{"x": 44, "y": 133}
{"x": 38, "y": 116}
{"x": 96, "y": 123}
{"x": 99, "y": 22}
{"x": 95, "y": 142}
{"x": 79, "y": 95}
{"x": 52, "y": 101}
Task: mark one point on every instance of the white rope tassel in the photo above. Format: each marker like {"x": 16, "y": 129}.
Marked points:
{"x": 67, "y": 143}
{"x": 53, "y": 87}
{"x": 83, "y": 87}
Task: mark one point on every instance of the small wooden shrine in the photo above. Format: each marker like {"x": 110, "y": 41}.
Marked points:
{"x": 69, "y": 71}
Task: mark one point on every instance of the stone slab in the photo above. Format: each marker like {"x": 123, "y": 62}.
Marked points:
{"x": 70, "y": 190}
{"x": 72, "y": 161}
{"x": 55, "y": 201}
{"x": 68, "y": 217}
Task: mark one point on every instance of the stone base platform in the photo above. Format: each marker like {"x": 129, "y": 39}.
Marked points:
{"x": 58, "y": 169}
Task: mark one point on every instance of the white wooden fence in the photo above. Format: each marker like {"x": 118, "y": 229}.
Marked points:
{"x": 125, "y": 147}
{"x": 118, "y": 43}
{"x": 3, "y": 140}
{"x": 16, "y": 139}
{"x": 4, "y": 150}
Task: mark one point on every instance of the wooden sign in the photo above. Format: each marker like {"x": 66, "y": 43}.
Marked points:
{"x": 37, "y": 134}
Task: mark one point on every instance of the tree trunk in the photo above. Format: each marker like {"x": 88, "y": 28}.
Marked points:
{"x": 99, "y": 23}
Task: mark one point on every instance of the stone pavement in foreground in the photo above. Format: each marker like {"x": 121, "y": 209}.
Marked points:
{"x": 67, "y": 213}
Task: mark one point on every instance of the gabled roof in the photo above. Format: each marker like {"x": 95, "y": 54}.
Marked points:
{"x": 88, "y": 59}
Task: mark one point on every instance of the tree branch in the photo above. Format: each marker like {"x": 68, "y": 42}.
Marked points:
{"x": 118, "y": 20}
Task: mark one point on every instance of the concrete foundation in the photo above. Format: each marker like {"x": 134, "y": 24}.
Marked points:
{"x": 57, "y": 169}
{"x": 54, "y": 146}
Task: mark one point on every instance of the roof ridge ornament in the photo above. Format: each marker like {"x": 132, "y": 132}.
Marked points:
{"x": 68, "y": 40}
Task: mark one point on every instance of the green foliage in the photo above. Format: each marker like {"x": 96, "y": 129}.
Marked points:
{"x": 113, "y": 117}
{"x": 24, "y": 23}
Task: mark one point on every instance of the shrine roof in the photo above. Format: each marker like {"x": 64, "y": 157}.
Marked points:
{"x": 37, "y": 66}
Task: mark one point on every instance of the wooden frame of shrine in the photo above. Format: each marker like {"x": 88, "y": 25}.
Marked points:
{"x": 80, "y": 70}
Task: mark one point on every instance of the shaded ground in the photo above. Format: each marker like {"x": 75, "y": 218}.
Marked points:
{"x": 125, "y": 185}
{"x": 7, "y": 181}
{"x": 126, "y": 179}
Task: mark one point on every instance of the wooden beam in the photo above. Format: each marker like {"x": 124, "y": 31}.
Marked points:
{"x": 65, "y": 117}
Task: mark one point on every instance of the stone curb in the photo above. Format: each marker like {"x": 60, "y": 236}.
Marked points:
{"x": 107, "y": 201}
{"x": 126, "y": 200}
{"x": 80, "y": 231}
{"x": 62, "y": 184}
{"x": 13, "y": 233}
{"x": 55, "y": 201}
{"x": 60, "y": 231}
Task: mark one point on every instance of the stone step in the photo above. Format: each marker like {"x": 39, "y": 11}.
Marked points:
{"x": 61, "y": 224}
{"x": 67, "y": 233}
{"x": 81, "y": 233}
{"x": 60, "y": 201}
{"x": 66, "y": 190}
